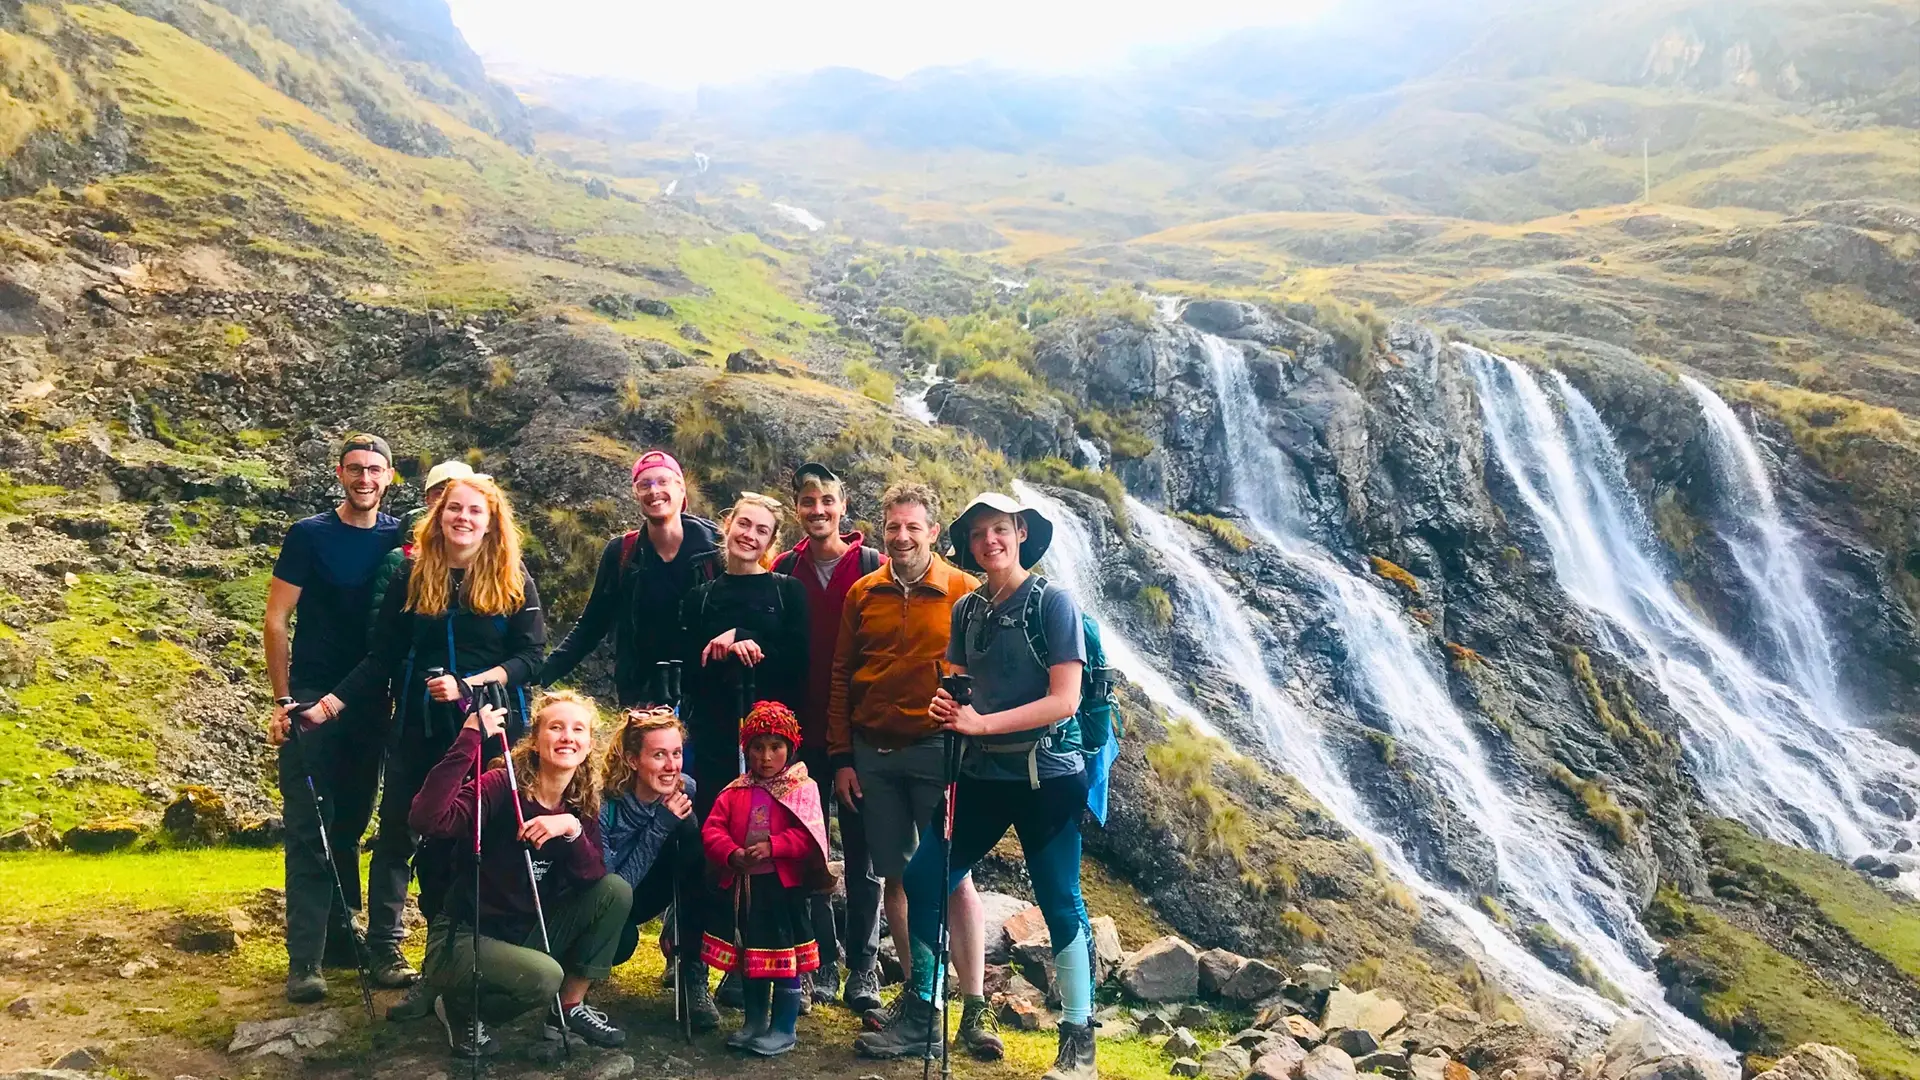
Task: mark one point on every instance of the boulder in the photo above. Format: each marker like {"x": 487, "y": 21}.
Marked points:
{"x": 208, "y": 932}
{"x": 1388, "y": 1063}
{"x": 258, "y": 832}
{"x": 1628, "y": 1044}
{"x": 1182, "y": 1043}
{"x": 1153, "y": 1023}
{"x": 1532, "y": 1067}
{"x": 84, "y": 1059}
{"x": 1372, "y": 1012}
{"x": 1225, "y": 1063}
{"x": 197, "y": 815}
{"x": 1278, "y": 1061}
{"x": 1217, "y": 967}
{"x": 1814, "y": 1061}
{"x": 1185, "y": 1066}
{"x": 999, "y": 910}
{"x": 1164, "y": 970}
{"x": 35, "y": 835}
{"x": 1255, "y": 980}
{"x": 617, "y": 1067}
{"x": 1305, "y": 1031}
{"x": 1357, "y": 1042}
{"x": 1315, "y": 979}
{"x": 1429, "y": 1066}
{"x": 1674, "y": 1067}
{"x": 1193, "y": 1015}
{"x": 101, "y": 835}
{"x": 1023, "y": 1007}
{"x": 1327, "y": 1063}
{"x": 750, "y": 362}
{"x": 1446, "y": 1028}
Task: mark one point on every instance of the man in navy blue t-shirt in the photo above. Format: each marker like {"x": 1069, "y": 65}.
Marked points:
{"x": 316, "y": 632}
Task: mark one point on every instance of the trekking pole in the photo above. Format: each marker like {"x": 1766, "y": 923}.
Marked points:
{"x": 682, "y": 993}
{"x": 326, "y": 850}
{"x": 951, "y": 747}
{"x": 533, "y": 883}
{"x": 746, "y": 705}
{"x": 466, "y": 707}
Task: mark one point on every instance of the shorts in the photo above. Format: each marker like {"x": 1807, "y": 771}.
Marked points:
{"x": 902, "y": 791}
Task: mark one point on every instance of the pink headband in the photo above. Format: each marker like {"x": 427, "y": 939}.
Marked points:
{"x": 656, "y": 459}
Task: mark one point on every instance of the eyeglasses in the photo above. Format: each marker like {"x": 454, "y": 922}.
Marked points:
{"x": 656, "y": 485}
{"x": 364, "y": 470}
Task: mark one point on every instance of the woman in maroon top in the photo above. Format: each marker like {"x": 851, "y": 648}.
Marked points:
{"x": 558, "y": 821}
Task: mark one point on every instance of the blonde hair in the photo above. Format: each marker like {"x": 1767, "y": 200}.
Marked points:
{"x": 631, "y": 738}
{"x": 764, "y": 502}
{"x": 583, "y": 791}
{"x": 496, "y": 582}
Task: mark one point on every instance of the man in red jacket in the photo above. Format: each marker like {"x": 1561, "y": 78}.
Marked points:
{"x": 827, "y": 562}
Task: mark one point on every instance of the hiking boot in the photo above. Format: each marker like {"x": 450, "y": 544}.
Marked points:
{"x": 467, "y": 1038}
{"x": 862, "y": 993}
{"x": 389, "y": 966}
{"x": 417, "y": 1005}
{"x": 586, "y": 1022}
{"x": 884, "y": 1017}
{"x": 980, "y": 1032}
{"x": 779, "y": 1037}
{"x": 759, "y": 1013}
{"x": 908, "y": 1032}
{"x": 826, "y": 984}
{"x": 730, "y": 992}
{"x": 1075, "y": 1060}
{"x": 305, "y": 984}
{"x": 700, "y": 1007}
{"x": 345, "y": 946}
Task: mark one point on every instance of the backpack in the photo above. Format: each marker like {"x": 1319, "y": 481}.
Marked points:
{"x": 1094, "y": 729}
{"x": 789, "y": 559}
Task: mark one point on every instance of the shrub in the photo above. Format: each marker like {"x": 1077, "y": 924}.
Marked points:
{"x": 1302, "y": 926}
{"x": 1601, "y": 807}
{"x": 1364, "y": 973}
{"x": 1122, "y": 436}
{"x": 1495, "y": 910}
{"x": 1395, "y": 574}
{"x": 1101, "y": 485}
{"x": 1000, "y": 374}
{"x": 1583, "y": 673}
{"x": 1463, "y": 658}
{"x": 1156, "y": 605}
{"x": 1219, "y": 528}
{"x": 870, "y": 381}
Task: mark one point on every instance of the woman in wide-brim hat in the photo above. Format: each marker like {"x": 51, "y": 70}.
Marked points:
{"x": 1020, "y": 640}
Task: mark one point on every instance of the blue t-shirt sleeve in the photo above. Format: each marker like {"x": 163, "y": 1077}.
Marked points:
{"x": 295, "y": 564}
{"x": 1060, "y": 615}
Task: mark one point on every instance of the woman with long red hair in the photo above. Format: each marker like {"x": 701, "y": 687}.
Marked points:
{"x": 463, "y": 603}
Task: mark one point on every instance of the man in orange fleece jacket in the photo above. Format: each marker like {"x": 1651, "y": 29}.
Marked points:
{"x": 887, "y": 753}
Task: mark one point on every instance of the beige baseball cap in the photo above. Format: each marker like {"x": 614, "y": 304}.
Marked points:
{"x": 445, "y": 471}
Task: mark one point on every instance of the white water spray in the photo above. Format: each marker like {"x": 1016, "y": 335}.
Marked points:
{"x": 799, "y": 215}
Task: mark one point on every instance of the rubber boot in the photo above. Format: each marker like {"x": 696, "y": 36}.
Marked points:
{"x": 758, "y": 1004}
{"x": 779, "y": 1037}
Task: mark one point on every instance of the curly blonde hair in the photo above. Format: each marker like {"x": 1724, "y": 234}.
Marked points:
{"x": 582, "y": 796}
{"x": 763, "y": 502}
{"x": 631, "y": 738}
{"x": 496, "y": 582}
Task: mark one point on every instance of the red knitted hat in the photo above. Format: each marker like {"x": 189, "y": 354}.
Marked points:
{"x": 770, "y": 718}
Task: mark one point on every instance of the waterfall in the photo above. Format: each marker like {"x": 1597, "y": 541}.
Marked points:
{"x": 1767, "y": 551}
{"x": 1546, "y": 863}
{"x": 1763, "y": 751}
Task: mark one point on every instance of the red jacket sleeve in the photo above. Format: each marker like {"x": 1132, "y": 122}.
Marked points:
{"x": 717, "y": 834}
{"x": 444, "y": 806}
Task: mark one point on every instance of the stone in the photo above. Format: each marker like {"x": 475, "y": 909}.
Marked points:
{"x": 290, "y": 1037}
{"x": 1225, "y": 1063}
{"x": 1814, "y": 1061}
{"x": 1446, "y": 1028}
{"x": 1628, "y": 1044}
{"x": 82, "y": 1059}
{"x": 1900, "y": 847}
{"x": 1533, "y": 1067}
{"x": 1304, "y": 1030}
{"x": 1315, "y": 979}
{"x": 1154, "y": 1023}
{"x": 617, "y": 1067}
{"x": 1429, "y": 1066}
{"x": 1000, "y": 911}
{"x": 1279, "y": 1060}
{"x": 1181, "y": 1043}
{"x": 750, "y": 362}
{"x": 1357, "y": 1042}
{"x": 1107, "y": 952}
{"x": 1327, "y": 1063}
{"x": 22, "y": 1006}
{"x": 1023, "y": 1007}
{"x": 48, "y": 1074}
{"x": 133, "y": 969}
{"x": 1372, "y": 1012}
{"x": 1255, "y": 980}
{"x": 1866, "y": 864}
{"x": 208, "y": 933}
{"x": 197, "y": 815}
{"x": 101, "y": 835}
{"x": 1387, "y": 1062}
{"x": 1673, "y": 1067}
{"x": 1185, "y": 1066}
{"x": 1217, "y": 966}
{"x": 258, "y": 832}
{"x": 35, "y": 835}
{"x": 1164, "y": 970}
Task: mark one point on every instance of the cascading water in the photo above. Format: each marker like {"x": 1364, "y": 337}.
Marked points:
{"x": 1763, "y": 751}
{"x": 1770, "y": 753}
{"x": 1545, "y": 863}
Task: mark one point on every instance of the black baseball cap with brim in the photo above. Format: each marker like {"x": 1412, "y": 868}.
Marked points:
{"x": 363, "y": 441}
{"x": 816, "y": 471}
{"x": 1039, "y": 529}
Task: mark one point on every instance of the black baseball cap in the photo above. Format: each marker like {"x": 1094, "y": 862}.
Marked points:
{"x": 364, "y": 441}
{"x": 817, "y": 471}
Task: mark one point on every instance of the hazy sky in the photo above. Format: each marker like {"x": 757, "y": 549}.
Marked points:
{"x": 682, "y": 45}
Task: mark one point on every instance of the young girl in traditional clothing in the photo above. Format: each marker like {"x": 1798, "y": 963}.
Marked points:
{"x": 767, "y": 840}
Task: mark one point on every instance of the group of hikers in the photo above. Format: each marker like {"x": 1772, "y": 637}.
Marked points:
{"x": 932, "y": 703}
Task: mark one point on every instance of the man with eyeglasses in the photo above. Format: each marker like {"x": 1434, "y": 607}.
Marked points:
{"x": 316, "y": 631}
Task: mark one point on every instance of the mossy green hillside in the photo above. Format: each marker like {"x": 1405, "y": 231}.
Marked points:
{"x": 100, "y": 688}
